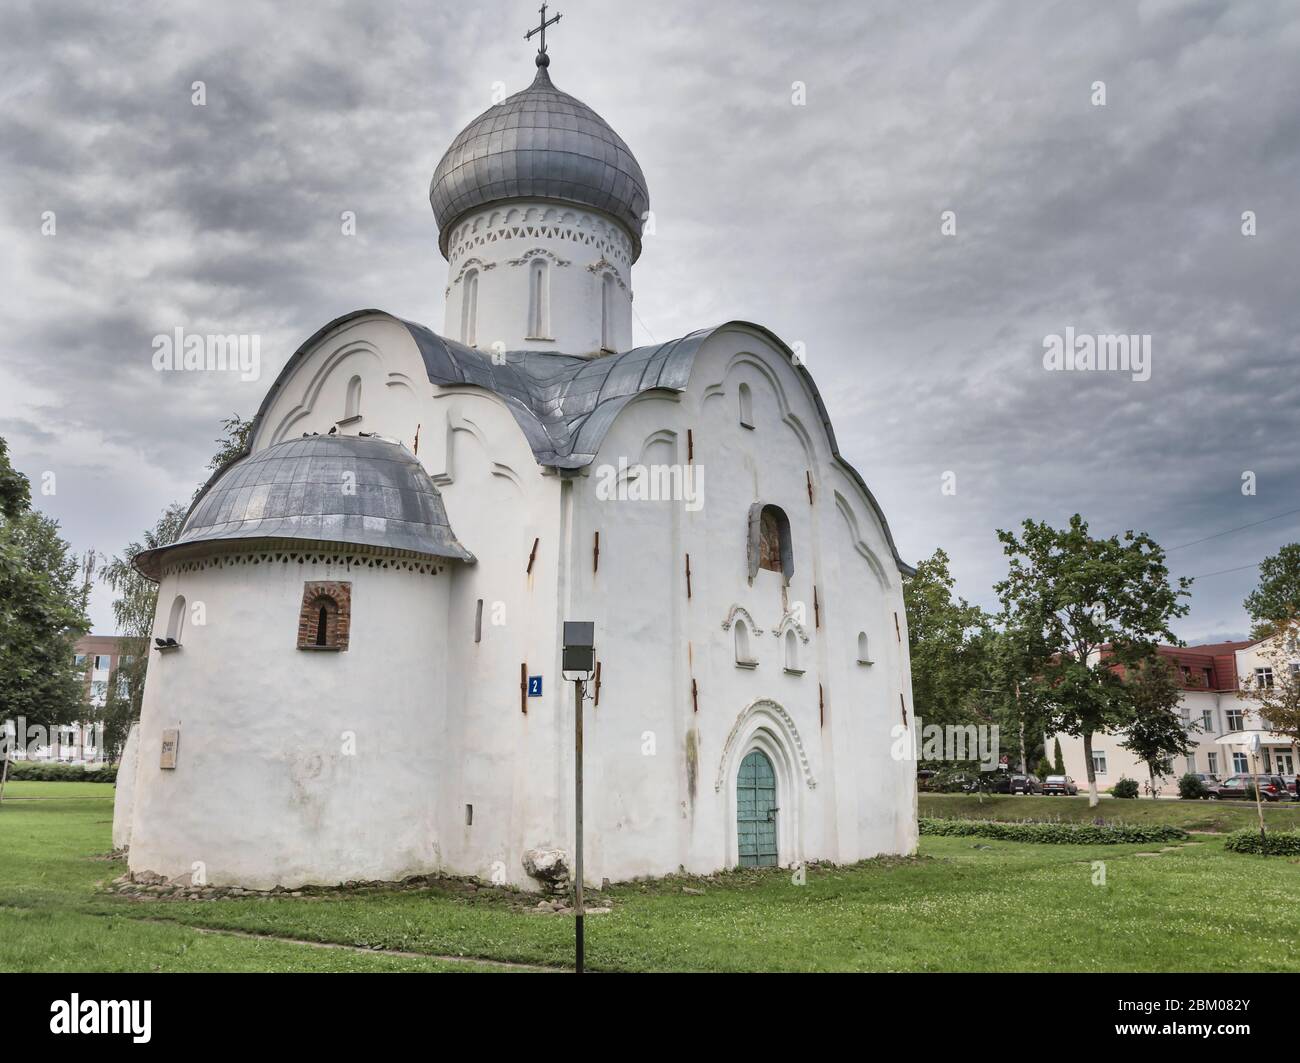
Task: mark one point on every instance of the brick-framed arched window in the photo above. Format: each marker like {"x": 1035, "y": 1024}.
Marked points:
{"x": 325, "y": 619}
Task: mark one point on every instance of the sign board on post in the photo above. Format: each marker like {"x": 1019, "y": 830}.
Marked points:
{"x": 579, "y": 654}
{"x": 171, "y": 740}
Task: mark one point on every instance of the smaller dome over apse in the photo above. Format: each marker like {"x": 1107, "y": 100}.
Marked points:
{"x": 318, "y": 491}
{"x": 540, "y": 144}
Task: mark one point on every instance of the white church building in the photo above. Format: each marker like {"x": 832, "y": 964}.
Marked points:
{"x": 359, "y": 670}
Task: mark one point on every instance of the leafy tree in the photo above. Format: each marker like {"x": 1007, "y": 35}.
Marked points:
{"x": 235, "y": 432}
{"x": 1075, "y": 596}
{"x": 1058, "y": 761}
{"x": 136, "y": 598}
{"x": 1155, "y": 732}
{"x": 946, "y": 638}
{"x": 1008, "y": 666}
{"x": 1277, "y": 598}
{"x": 15, "y": 491}
{"x": 42, "y": 611}
{"x": 134, "y": 604}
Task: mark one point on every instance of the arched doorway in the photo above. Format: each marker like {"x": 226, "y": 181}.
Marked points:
{"x": 756, "y": 810}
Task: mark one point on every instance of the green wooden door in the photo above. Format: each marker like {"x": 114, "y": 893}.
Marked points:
{"x": 756, "y": 811}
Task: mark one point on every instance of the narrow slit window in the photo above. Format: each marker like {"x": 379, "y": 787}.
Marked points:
{"x": 607, "y": 312}
{"x": 324, "y": 620}
{"x": 176, "y": 619}
{"x": 352, "y": 406}
{"x": 743, "y": 655}
{"x": 746, "y": 406}
{"x": 469, "y": 310}
{"x": 539, "y": 300}
{"x": 863, "y": 656}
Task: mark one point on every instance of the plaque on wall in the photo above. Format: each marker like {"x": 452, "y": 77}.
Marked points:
{"x": 171, "y": 739}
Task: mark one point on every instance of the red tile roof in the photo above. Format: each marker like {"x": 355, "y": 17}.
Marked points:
{"x": 1219, "y": 658}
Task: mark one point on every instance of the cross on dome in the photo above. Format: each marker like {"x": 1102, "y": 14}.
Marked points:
{"x": 542, "y": 58}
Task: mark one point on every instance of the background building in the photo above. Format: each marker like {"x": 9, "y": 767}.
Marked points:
{"x": 1219, "y": 721}
{"x": 77, "y": 741}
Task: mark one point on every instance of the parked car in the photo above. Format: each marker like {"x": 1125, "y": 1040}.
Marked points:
{"x": 1210, "y": 784}
{"x": 1271, "y": 787}
{"x": 1277, "y": 784}
{"x": 1290, "y": 781}
{"x": 1060, "y": 785}
{"x": 1025, "y": 784}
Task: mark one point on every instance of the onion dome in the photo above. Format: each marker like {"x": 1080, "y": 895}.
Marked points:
{"x": 539, "y": 144}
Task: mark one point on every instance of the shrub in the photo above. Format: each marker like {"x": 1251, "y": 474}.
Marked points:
{"x": 1044, "y": 768}
{"x": 1190, "y": 787}
{"x": 1126, "y": 788}
{"x": 1274, "y": 843}
{"x": 1054, "y": 833}
{"x": 51, "y": 771}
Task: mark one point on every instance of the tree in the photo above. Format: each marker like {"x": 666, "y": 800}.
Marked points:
{"x": 1058, "y": 761}
{"x": 1087, "y": 605}
{"x": 134, "y": 604}
{"x": 42, "y": 611}
{"x": 136, "y": 598}
{"x": 1155, "y": 732}
{"x": 1008, "y": 669}
{"x": 15, "y": 491}
{"x": 946, "y": 639}
{"x": 233, "y": 442}
{"x": 1277, "y": 598}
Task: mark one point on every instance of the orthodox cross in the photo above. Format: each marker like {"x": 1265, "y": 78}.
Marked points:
{"x": 542, "y": 29}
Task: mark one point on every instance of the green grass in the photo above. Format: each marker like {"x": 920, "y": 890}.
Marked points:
{"x": 1216, "y": 816}
{"x": 964, "y": 904}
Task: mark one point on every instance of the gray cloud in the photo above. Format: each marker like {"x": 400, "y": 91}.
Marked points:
{"x": 820, "y": 221}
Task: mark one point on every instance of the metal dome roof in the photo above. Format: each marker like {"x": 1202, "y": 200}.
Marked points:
{"x": 294, "y": 493}
{"x": 540, "y": 143}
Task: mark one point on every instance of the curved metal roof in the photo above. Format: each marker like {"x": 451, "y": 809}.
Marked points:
{"x": 565, "y": 404}
{"x": 320, "y": 491}
{"x": 540, "y": 143}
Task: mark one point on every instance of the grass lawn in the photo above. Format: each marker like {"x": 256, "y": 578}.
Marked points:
{"x": 963, "y": 904}
{"x": 1216, "y": 816}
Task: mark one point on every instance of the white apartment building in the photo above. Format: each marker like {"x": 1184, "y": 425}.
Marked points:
{"x": 1221, "y": 722}
{"x": 75, "y": 742}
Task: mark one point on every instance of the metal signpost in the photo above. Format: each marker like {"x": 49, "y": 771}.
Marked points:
{"x": 578, "y": 662}
{"x": 1253, "y": 744}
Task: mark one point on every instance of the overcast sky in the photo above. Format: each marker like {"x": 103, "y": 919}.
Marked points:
{"x": 822, "y": 221}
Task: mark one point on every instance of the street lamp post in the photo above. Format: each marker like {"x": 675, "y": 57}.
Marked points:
{"x": 578, "y": 662}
